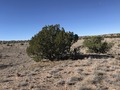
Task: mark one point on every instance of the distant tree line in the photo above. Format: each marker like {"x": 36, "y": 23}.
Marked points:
{"x": 13, "y": 41}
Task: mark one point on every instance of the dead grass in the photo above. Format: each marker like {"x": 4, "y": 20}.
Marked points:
{"x": 85, "y": 74}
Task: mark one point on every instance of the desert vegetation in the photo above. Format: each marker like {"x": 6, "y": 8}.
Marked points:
{"x": 95, "y": 45}
{"x": 18, "y": 71}
{"x": 51, "y": 43}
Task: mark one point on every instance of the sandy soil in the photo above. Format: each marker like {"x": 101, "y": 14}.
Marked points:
{"x": 20, "y": 72}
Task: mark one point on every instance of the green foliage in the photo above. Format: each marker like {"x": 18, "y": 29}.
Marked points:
{"x": 95, "y": 44}
{"x": 21, "y": 44}
{"x": 8, "y": 44}
{"x": 52, "y": 42}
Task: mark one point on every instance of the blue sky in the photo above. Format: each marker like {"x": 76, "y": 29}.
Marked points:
{"x": 21, "y": 19}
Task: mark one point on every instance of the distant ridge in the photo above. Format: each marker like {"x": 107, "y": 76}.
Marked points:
{"x": 113, "y": 35}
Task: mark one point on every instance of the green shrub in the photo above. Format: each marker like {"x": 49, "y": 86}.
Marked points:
{"x": 21, "y": 44}
{"x": 52, "y": 42}
{"x": 8, "y": 44}
{"x": 95, "y": 44}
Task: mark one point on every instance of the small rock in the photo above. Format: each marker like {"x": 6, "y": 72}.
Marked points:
{"x": 9, "y": 75}
{"x": 45, "y": 60}
{"x": 64, "y": 65}
{"x": 4, "y": 81}
{"x": 55, "y": 71}
{"x": 85, "y": 74}
{"x": 60, "y": 82}
{"x": 83, "y": 88}
{"x": 32, "y": 73}
{"x": 49, "y": 76}
{"x": 23, "y": 84}
{"x": 36, "y": 69}
{"x": 102, "y": 88}
{"x": 79, "y": 70}
{"x": 56, "y": 76}
{"x": 73, "y": 80}
{"x": 18, "y": 75}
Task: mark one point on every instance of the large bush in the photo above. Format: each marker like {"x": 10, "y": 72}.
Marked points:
{"x": 52, "y": 42}
{"x": 95, "y": 44}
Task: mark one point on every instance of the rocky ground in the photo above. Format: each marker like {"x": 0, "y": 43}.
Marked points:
{"x": 20, "y": 72}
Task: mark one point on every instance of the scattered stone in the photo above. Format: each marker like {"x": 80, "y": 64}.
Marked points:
{"x": 36, "y": 89}
{"x": 83, "y": 88}
{"x": 57, "y": 76}
{"x": 60, "y": 82}
{"x": 109, "y": 81}
{"x": 45, "y": 60}
{"x": 89, "y": 58}
{"x": 32, "y": 73}
{"x": 101, "y": 88}
{"x": 49, "y": 76}
{"x": 9, "y": 75}
{"x": 97, "y": 79}
{"x": 36, "y": 69}
{"x": 73, "y": 80}
{"x": 31, "y": 86}
{"x": 4, "y": 81}
{"x": 79, "y": 70}
{"x": 64, "y": 65}
{"x": 55, "y": 71}
{"x": 22, "y": 84}
{"x": 18, "y": 74}
{"x": 85, "y": 74}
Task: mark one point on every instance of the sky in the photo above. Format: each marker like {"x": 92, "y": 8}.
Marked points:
{"x": 22, "y": 19}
